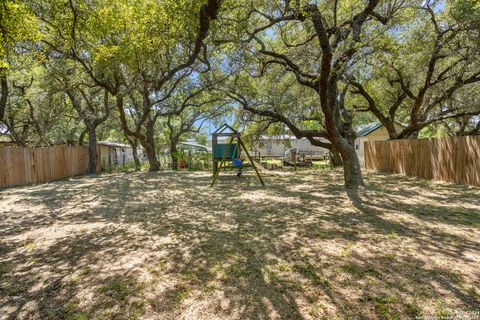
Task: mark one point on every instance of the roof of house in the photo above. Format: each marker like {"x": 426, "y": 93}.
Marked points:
{"x": 113, "y": 144}
{"x": 366, "y": 129}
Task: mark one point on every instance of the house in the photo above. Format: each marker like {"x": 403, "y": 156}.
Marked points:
{"x": 275, "y": 146}
{"x": 114, "y": 153}
{"x": 190, "y": 146}
{"x": 374, "y": 131}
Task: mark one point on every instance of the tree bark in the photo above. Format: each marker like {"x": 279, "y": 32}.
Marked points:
{"x": 174, "y": 155}
{"x": 335, "y": 158}
{"x": 414, "y": 135}
{"x": 92, "y": 150}
{"x": 82, "y": 137}
{"x": 338, "y": 124}
{"x": 133, "y": 141}
{"x": 341, "y": 134}
{"x": 351, "y": 166}
{"x": 3, "y": 97}
{"x": 20, "y": 138}
{"x": 147, "y": 141}
{"x": 149, "y": 146}
{"x": 153, "y": 163}
{"x": 136, "y": 160}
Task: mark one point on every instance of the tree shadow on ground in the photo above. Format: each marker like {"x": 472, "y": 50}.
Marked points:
{"x": 165, "y": 245}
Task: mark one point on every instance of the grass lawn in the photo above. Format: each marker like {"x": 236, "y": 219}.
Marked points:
{"x": 166, "y": 246}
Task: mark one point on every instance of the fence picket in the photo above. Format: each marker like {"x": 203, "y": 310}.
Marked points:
{"x": 455, "y": 159}
{"x": 20, "y": 166}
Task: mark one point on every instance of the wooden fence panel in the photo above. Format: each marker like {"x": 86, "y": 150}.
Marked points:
{"x": 20, "y": 166}
{"x": 16, "y": 165}
{"x": 471, "y": 172}
{"x": 455, "y": 159}
{"x": 44, "y": 164}
{"x": 3, "y": 172}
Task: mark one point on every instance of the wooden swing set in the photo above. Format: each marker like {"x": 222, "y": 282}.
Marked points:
{"x": 229, "y": 152}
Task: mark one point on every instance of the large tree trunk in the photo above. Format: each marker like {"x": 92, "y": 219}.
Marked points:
{"x": 345, "y": 146}
{"x": 338, "y": 124}
{"x": 92, "y": 150}
{"x": 81, "y": 138}
{"x": 149, "y": 146}
{"x": 133, "y": 141}
{"x": 147, "y": 141}
{"x": 153, "y": 163}
{"x": 335, "y": 158}
{"x": 351, "y": 165}
{"x": 20, "y": 138}
{"x": 174, "y": 154}
{"x": 136, "y": 160}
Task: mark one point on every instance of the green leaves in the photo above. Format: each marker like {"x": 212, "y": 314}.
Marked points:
{"x": 17, "y": 24}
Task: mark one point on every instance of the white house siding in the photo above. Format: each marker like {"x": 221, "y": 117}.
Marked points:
{"x": 113, "y": 155}
{"x": 381, "y": 134}
{"x": 277, "y": 147}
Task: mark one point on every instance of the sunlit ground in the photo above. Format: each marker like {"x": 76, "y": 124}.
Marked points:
{"x": 166, "y": 246}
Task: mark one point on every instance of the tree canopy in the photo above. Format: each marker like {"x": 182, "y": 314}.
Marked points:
{"x": 149, "y": 72}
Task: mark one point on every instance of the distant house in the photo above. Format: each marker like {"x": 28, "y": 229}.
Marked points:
{"x": 114, "y": 153}
{"x": 6, "y": 141}
{"x": 190, "y": 146}
{"x": 276, "y": 146}
{"x": 5, "y": 138}
{"x": 374, "y": 131}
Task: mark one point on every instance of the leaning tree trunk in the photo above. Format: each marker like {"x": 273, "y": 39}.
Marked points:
{"x": 4, "y": 95}
{"x": 92, "y": 150}
{"x": 150, "y": 152}
{"x": 352, "y": 170}
{"x": 133, "y": 141}
{"x": 414, "y": 135}
{"x": 82, "y": 137}
{"x": 345, "y": 146}
{"x": 147, "y": 141}
{"x": 335, "y": 158}
{"x": 174, "y": 155}
{"x": 136, "y": 160}
{"x": 338, "y": 124}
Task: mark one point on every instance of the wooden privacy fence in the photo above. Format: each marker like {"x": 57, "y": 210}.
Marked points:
{"x": 455, "y": 159}
{"x": 20, "y": 166}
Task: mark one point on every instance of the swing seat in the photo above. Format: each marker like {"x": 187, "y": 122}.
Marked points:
{"x": 237, "y": 162}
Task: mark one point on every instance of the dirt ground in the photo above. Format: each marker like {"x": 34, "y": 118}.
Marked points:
{"x": 166, "y": 246}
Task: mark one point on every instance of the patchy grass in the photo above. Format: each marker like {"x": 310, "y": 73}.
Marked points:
{"x": 166, "y": 246}
{"x": 321, "y": 164}
{"x": 277, "y": 162}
